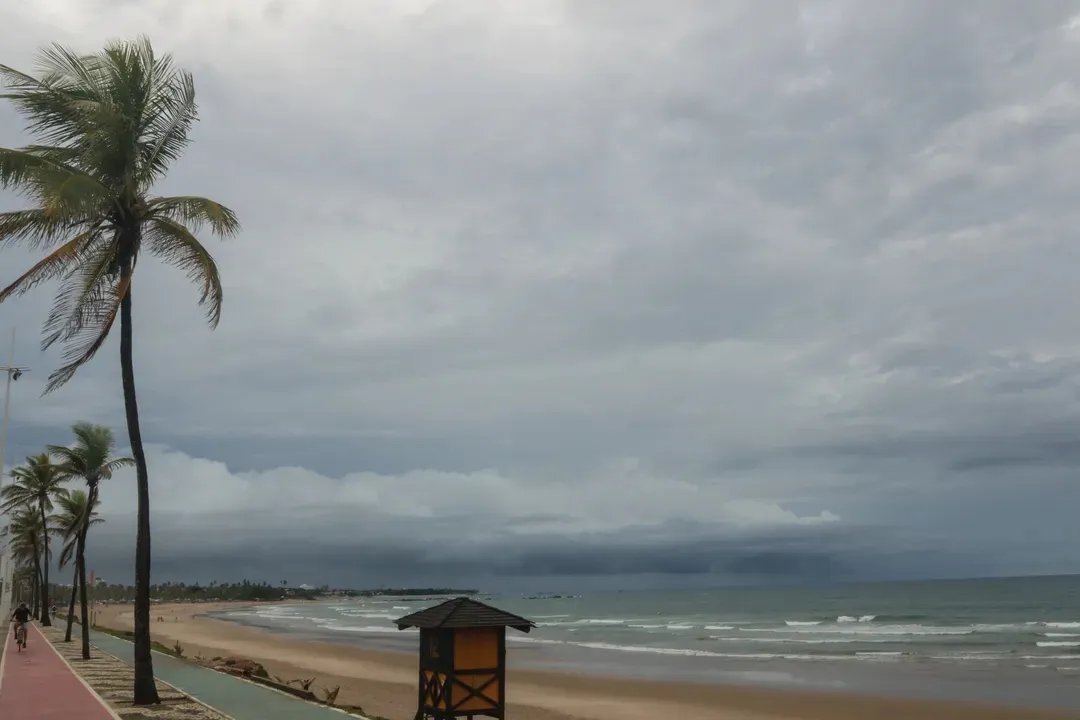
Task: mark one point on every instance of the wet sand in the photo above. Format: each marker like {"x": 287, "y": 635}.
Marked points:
{"x": 385, "y": 683}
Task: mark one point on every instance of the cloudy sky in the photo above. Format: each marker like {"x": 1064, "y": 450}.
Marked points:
{"x": 617, "y": 292}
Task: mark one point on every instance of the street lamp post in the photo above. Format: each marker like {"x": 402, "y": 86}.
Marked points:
{"x": 12, "y": 373}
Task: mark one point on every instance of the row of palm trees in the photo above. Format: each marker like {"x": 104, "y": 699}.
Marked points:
{"x": 40, "y": 505}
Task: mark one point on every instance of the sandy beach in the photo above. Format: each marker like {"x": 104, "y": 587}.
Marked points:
{"x": 384, "y": 683}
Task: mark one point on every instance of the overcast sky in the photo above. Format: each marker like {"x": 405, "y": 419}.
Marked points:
{"x": 684, "y": 292}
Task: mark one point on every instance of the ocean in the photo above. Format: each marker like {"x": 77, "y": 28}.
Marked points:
{"x": 1014, "y": 640}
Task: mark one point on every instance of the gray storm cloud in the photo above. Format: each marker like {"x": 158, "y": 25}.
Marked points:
{"x": 711, "y": 289}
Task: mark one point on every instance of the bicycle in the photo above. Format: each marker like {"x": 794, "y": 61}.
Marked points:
{"x": 20, "y": 636}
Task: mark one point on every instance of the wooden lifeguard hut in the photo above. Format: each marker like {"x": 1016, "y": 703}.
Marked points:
{"x": 462, "y": 658}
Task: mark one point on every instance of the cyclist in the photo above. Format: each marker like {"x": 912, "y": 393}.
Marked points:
{"x": 21, "y": 616}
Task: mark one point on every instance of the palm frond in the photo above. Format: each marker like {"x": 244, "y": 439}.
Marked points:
{"x": 171, "y": 113}
{"x": 51, "y": 113}
{"x": 53, "y": 266}
{"x": 194, "y": 213}
{"x": 65, "y": 191}
{"x": 81, "y": 297}
{"x": 176, "y": 246}
{"x": 83, "y": 345}
{"x": 37, "y": 227}
{"x": 90, "y": 456}
{"x": 112, "y": 466}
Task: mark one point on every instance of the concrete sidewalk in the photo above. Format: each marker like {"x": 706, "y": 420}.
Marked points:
{"x": 38, "y": 684}
{"x": 239, "y": 699}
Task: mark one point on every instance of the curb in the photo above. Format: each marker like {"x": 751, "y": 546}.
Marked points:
{"x": 235, "y": 677}
{"x": 189, "y": 696}
{"x": 4, "y": 656}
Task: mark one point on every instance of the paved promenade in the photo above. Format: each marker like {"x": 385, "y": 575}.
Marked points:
{"x": 37, "y": 684}
{"x": 236, "y": 698}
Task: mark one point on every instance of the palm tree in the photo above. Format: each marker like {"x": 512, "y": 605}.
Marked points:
{"x": 37, "y": 483}
{"x": 89, "y": 458}
{"x": 24, "y": 581}
{"x": 109, "y": 126}
{"x": 25, "y": 543}
{"x": 75, "y": 518}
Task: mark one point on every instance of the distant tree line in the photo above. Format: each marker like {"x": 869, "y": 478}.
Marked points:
{"x": 248, "y": 591}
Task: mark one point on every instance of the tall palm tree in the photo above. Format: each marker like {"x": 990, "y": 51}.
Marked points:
{"x": 25, "y": 543}
{"x": 37, "y": 483}
{"x": 109, "y": 126}
{"x": 77, "y": 514}
{"x": 89, "y": 458}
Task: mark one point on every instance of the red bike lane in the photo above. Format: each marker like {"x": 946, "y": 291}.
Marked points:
{"x": 36, "y": 684}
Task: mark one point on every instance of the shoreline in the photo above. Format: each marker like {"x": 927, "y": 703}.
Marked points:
{"x": 383, "y": 682}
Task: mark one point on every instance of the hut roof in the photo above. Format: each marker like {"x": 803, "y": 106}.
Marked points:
{"x": 463, "y": 612}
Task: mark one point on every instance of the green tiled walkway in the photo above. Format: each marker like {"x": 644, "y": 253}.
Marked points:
{"x": 239, "y": 699}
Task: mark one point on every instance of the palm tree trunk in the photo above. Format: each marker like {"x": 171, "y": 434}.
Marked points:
{"x": 74, "y": 594}
{"x": 37, "y": 582}
{"x": 84, "y": 615}
{"x": 145, "y": 689}
{"x": 46, "y": 621}
{"x": 80, "y": 564}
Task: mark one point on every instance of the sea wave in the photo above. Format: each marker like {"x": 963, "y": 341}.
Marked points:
{"x": 377, "y": 629}
{"x": 708, "y": 653}
{"x": 800, "y": 641}
{"x": 371, "y": 615}
{"x": 867, "y": 629}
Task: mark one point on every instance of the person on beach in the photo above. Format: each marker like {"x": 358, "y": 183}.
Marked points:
{"x": 21, "y": 616}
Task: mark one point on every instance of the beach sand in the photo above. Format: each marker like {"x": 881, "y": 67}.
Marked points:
{"x": 385, "y": 683}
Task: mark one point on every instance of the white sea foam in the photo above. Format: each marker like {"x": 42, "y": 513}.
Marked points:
{"x": 866, "y": 629}
{"x": 374, "y": 629}
{"x": 275, "y": 611}
{"x": 533, "y": 640}
{"x": 1049, "y": 634}
{"x": 801, "y": 623}
{"x": 648, "y": 627}
{"x": 850, "y": 619}
{"x": 680, "y": 627}
{"x": 1062, "y": 625}
{"x": 719, "y": 627}
{"x": 882, "y": 654}
{"x": 707, "y": 653}
{"x": 800, "y": 641}
{"x": 1057, "y": 643}
{"x": 978, "y": 656}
